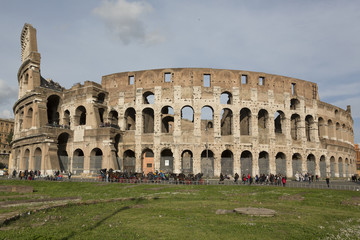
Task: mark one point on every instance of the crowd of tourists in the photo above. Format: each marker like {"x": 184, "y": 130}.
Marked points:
{"x": 268, "y": 179}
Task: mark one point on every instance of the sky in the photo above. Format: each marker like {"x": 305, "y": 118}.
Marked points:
{"x": 80, "y": 40}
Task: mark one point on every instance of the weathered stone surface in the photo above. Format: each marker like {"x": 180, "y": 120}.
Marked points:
{"x": 261, "y": 212}
{"x": 223, "y": 211}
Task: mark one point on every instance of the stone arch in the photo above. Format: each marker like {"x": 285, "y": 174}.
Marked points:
{"x": 331, "y": 129}
{"x": 296, "y": 164}
{"x": 341, "y": 167}
{"x": 310, "y": 163}
{"x": 29, "y": 118}
{"x": 226, "y": 98}
{"x": 294, "y": 104}
{"x": 26, "y": 159}
{"x": 207, "y": 116}
{"x": 129, "y": 161}
{"x": 52, "y": 106}
{"x": 347, "y": 167}
{"x": 279, "y": 122}
{"x": 66, "y": 118}
{"x": 148, "y": 97}
{"x": 101, "y": 98}
{"x": 187, "y": 118}
{"x": 37, "y": 159}
{"x": 338, "y": 131}
{"x": 186, "y": 162}
{"x": 80, "y": 116}
{"x": 78, "y": 161}
{"x": 227, "y": 162}
{"x": 130, "y": 119}
{"x": 147, "y": 158}
{"x": 309, "y": 126}
{"x": 167, "y": 119}
{"x": 226, "y": 122}
{"x": 101, "y": 112}
{"x": 96, "y": 159}
{"x": 148, "y": 120}
{"x": 62, "y": 154}
{"x": 322, "y": 166}
{"x": 207, "y": 163}
{"x": 113, "y": 118}
{"x": 166, "y": 160}
{"x": 264, "y": 166}
{"x": 295, "y": 127}
{"x": 332, "y": 166}
{"x": 246, "y": 162}
{"x": 321, "y": 127}
{"x": 280, "y": 162}
{"x": 245, "y": 121}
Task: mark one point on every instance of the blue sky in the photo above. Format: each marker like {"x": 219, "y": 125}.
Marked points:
{"x": 81, "y": 40}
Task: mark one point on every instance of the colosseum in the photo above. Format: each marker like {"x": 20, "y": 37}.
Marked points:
{"x": 179, "y": 120}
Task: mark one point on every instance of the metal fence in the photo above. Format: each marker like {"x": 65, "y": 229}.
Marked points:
{"x": 207, "y": 166}
{"x": 227, "y": 166}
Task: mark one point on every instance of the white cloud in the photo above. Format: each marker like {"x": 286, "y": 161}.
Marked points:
{"x": 6, "y": 114}
{"x": 126, "y": 20}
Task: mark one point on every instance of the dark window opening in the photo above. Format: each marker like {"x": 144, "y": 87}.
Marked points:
{"x": 261, "y": 81}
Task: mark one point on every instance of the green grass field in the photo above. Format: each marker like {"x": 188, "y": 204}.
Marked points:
{"x": 179, "y": 212}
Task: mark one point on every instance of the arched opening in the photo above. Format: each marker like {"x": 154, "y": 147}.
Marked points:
{"x": 26, "y": 159}
{"x": 310, "y": 162}
{"x": 309, "y": 126}
{"x": 321, "y": 127}
{"x": 246, "y": 163}
{"x": 114, "y": 118}
{"x": 279, "y": 122}
{"x": 78, "y": 161}
{"x": 263, "y": 126}
{"x": 245, "y": 121}
{"x": 340, "y": 166}
{"x": 186, "y": 162}
{"x": 296, "y": 164}
{"x": 331, "y": 129}
{"x": 130, "y": 119}
{"x": 66, "y": 118}
{"x": 148, "y": 120}
{"x": 63, "y": 158}
{"x": 322, "y": 166}
{"x": 166, "y": 161}
{"x": 129, "y": 161}
{"x": 332, "y": 166}
{"x": 226, "y": 122}
{"x": 148, "y": 161}
{"x": 101, "y": 98}
{"x": 264, "y": 163}
{"x": 101, "y": 116}
{"x": 29, "y": 118}
{"x": 149, "y": 98}
{"x": 37, "y": 159}
{"x": 80, "y": 115}
{"x": 226, "y": 98}
{"x": 295, "y": 127}
{"x": 167, "y": 119}
{"x": 280, "y": 161}
{"x": 338, "y": 131}
{"x": 207, "y": 163}
{"x": 52, "y": 106}
{"x": 294, "y": 104}
{"x": 227, "y": 163}
{"x": 96, "y": 157}
{"x": 347, "y": 167}
{"x": 207, "y": 118}
{"x": 187, "y": 119}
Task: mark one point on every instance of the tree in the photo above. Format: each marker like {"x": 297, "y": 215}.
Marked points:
{"x": 9, "y": 138}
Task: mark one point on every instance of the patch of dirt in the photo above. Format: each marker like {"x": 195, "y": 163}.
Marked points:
{"x": 260, "y": 212}
{"x": 138, "y": 206}
{"x": 293, "y": 197}
{"x": 34, "y": 201}
{"x": 188, "y": 190}
{"x": 354, "y": 201}
{"x": 16, "y": 188}
{"x": 223, "y": 211}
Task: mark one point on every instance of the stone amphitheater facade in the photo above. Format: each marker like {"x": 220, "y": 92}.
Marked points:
{"x": 177, "y": 120}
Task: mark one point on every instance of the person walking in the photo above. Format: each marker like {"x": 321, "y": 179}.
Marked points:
{"x": 283, "y": 181}
{"x": 328, "y": 181}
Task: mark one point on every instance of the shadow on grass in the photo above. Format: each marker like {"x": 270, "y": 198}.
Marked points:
{"x": 100, "y": 222}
